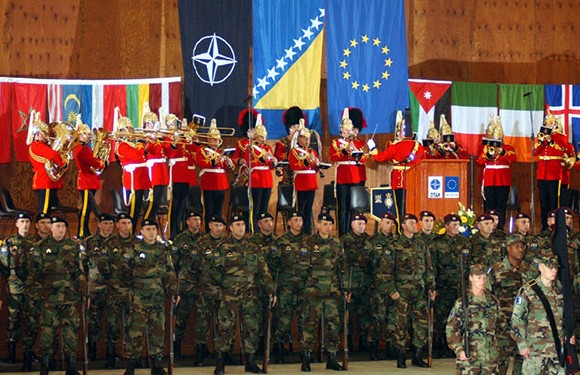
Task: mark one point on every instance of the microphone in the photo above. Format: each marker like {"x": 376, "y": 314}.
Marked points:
{"x": 527, "y": 94}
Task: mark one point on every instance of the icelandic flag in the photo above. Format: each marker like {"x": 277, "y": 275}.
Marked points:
{"x": 288, "y": 39}
{"x": 366, "y": 53}
{"x": 564, "y": 101}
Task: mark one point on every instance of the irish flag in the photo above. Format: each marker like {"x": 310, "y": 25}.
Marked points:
{"x": 472, "y": 103}
{"x": 516, "y": 103}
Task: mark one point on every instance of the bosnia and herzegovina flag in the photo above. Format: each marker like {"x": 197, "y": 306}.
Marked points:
{"x": 287, "y": 41}
{"x": 366, "y": 54}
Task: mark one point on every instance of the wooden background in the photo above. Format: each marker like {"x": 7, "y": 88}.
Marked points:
{"x": 515, "y": 41}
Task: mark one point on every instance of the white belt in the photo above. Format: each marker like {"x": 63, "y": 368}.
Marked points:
{"x": 150, "y": 162}
{"x": 192, "y": 167}
{"x": 494, "y": 166}
{"x": 131, "y": 167}
{"x": 305, "y": 171}
{"x": 211, "y": 170}
{"x": 261, "y": 168}
{"x": 172, "y": 162}
{"x": 551, "y": 158}
{"x": 400, "y": 168}
{"x": 350, "y": 162}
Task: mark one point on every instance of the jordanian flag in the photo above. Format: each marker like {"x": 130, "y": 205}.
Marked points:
{"x": 515, "y": 104}
{"x": 428, "y": 101}
{"x": 472, "y": 105}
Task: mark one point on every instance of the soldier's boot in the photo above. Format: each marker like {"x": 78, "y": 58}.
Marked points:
{"x": 130, "y": 370}
{"x": 71, "y": 366}
{"x": 156, "y": 366}
{"x": 374, "y": 351}
{"x": 92, "y": 350}
{"x": 279, "y": 353}
{"x": 332, "y": 364}
{"x": 44, "y": 361}
{"x": 199, "y": 354}
{"x": 12, "y": 352}
{"x": 305, "y": 361}
{"x": 177, "y": 347}
{"x": 220, "y": 363}
{"x": 417, "y": 360}
{"x": 232, "y": 360}
{"x": 110, "y": 356}
{"x": 251, "y": 365}
{"x": 27, "y": 362}
{"x": 401, "y": 358}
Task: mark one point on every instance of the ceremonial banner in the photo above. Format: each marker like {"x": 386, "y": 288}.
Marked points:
{"x": 514, "y": 110}
{"x": 25, "y": 98}
{"x": 382, "y": 201}
{"x": 472, "y": 103}
{"x": 428, "y": 101}
{"x": 564, "y": 101}
{"x": 366, "y": 54}
{"x": 288, "y": 39}
{"x": 5, "y": 91}
{"x": 215, "y": 40}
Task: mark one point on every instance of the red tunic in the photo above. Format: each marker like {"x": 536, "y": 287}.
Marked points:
{"x": 348, "y": 170}
{"x": 497, "y": 171}
{"x": 157, "y": 153}
{"x": 87, "y": 179}
{"x": 132, "y": 158}
{"x": 261, "y": 164}
{"x": 212, "y": 172}
{"x": 402, "y": 155}
{"x": 40, "y": 153}
{"x": 191, "y": 151}
{"x": 241, "y": 147}
{"x": 550, "y": 156}
{"x": 304, "y": 174}
{"x": 178, "y": 163}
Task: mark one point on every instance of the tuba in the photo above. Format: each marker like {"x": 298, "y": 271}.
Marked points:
{"x": 64, "y": 139}
{"x": 102, "y": 148}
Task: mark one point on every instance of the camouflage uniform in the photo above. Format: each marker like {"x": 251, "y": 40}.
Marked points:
{"x": 148, "y": 269}
{"x": 446, "y": 254}
{"x": 413, "y": 278}
{"x": 56, "y": 266}
{"x": 11, "y": 256}
{"x": 536, "y": 244}
{"x": 531, "y": 328}
{"x": 238, "y": 267}
{"x": 290, "y": 261}
{"x": 358, "y": 260}
{"x": 505, "y": 280}
{"x": 482, "y": 328}
{"x": 486, "y": 250}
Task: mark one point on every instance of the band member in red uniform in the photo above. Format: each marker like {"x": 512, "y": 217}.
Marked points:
{"x": 42, "y": 155}
{"x": 88, "y": 181}
{"x": 496, "y": 158}
{"x": 191, "y": 151}
{"x": 447, "y": 148}
{"x": 402, "y": 153}
{"x": 293, "y": 119}
{"x": 158, "y": 150}
{"x": 131, "y": 155}
{"x": 261, "y": 161}
{"x": 304, "y": 163}
{"x": 213, "y": 180}
{"x": 246, "y": 120}
{"x": 347, "y": 154}
{"x": 553, "y": 151}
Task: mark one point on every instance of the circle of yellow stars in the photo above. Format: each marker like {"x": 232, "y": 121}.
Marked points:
{"x": 388, "y": 62}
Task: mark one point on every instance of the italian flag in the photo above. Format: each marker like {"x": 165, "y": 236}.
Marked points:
{"x": 472, "y": 104}
{"x": 516, "y": 102}
{"x": 428, "y": 100}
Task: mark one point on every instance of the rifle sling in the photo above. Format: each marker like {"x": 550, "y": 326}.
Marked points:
{"x": 550, "y": 315}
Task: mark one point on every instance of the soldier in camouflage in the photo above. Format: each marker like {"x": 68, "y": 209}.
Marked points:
{"x": 498, "y": 233}
{"x": 56, "y": 266}
{"x": 357, "y": 259}
{"x": 238, "y": 267}
{"x": 97, "y": 283}
{"x": 147, "y": 267}
{"x": 118, "y": 292}
{"x": 505, "y": 279}
{"x": 530, "y": 325}
{"x": 11, "y": 254}
{"x": 290, "y": 261}
{"x": 322, "y": 293}
{"x": 32, "y": 289}
{"x": 483, "y": 313}
{"x": 426, "y": 234}
{"x": 522, "y": 225}
{"x": 186, "y": 260}
{"x": 485, "y": 248}
{"x": 446, "y": 253}
{"x": 383, "y": 263}
{"x": 414, "y": 284}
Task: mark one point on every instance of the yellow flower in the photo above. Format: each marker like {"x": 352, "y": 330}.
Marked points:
{"x": 463, "y": 219}
{"x": 441, "y": 231}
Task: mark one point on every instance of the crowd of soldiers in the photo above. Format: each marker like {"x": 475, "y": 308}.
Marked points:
{"x": 377, "y": 289}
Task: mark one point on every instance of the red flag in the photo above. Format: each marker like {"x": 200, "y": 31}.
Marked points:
{"x": 5, "y": 156}
{"x": 166, "y": 95}
{"x": 114, "y": 96}
{"x": 25, "y": 98}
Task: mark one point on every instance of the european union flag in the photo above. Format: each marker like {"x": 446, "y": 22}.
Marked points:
{"x": 366, "y": 54}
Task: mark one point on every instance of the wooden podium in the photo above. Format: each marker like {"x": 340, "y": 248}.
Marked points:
{"x": 437, "y": 185}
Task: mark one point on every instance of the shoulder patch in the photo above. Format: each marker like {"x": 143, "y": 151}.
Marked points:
{"x": 518, "y": 300}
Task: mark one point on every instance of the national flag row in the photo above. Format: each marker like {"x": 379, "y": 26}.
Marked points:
{"x": 62, "y": 100}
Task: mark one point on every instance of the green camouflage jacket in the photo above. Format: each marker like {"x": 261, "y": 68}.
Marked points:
{"x": 446, "y": 254}
{"x": 486, "y": 250}
{"x": 383, "y": 263}
{"x": 324, "y": 277}
{"x": 290, "y": 260}
{"x": 358, "y": 256}
{"x": 92, "y": 252}
{"x": 411, "y": 272}
{"x": 109, "y": 261}
{"x": 12, "y": 255}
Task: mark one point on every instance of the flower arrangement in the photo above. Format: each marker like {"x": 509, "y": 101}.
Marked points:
{"x": 466, "y": 227}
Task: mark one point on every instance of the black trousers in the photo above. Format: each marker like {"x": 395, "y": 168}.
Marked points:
{"x": 135, "y": 205}
{"x": 496, "y": 198}
{"x": 46, "y": 198}
{"x": 260, "y": 202}
{"x": 155, "y": 202}
{"x": 88, "y": 205}
{"x": 213, "y": 202}
{"x": 305, "y": 200}
{"x": 343, "y": 206}
{"x": 178, "y": 206}
{"x": 549, "y": 192}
